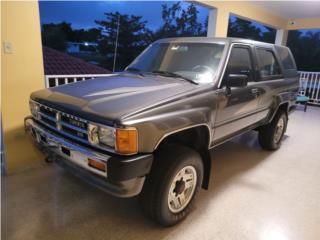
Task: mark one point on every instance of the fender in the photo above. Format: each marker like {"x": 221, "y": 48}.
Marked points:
{"x": 182, "y": 129}
{"x": 285, "y": 98}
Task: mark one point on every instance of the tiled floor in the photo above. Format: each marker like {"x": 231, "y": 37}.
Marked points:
{"x": 254, "y": 194}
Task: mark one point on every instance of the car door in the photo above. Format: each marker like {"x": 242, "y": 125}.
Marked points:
{"x": 270, "y": 79}
{"x": 237, "y": 106}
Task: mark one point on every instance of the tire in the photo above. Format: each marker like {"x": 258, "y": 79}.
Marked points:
{"x": 269, "y": 135}
{"x": 162, "y": 180}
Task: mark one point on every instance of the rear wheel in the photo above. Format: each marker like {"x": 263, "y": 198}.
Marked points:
{"x": 270, "y": 135}
{"x": 170, "y": 188}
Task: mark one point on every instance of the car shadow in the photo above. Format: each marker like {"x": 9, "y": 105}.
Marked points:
{"x": 77, "y": 210}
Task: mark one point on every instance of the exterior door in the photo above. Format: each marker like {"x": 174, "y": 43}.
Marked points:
{"x": 270, "y": 79}
{"x": 236, "y": 109}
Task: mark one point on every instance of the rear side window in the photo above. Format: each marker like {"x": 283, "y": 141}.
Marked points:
{"x": 286, "y": 58}
{"x": 268, "y": 65}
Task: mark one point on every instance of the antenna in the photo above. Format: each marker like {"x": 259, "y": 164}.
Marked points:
{"x": 116, "y": 45}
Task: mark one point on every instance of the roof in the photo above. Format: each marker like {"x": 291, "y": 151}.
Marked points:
{"x": 58, "y": 63}
{"x": 213, "y": 40}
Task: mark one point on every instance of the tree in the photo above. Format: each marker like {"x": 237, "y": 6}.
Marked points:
{"x": 133, "y": 37}
{"x": 56, "y": 35}
{"x": 245, "y": 29}
{"x": 180, "y": 22}
{"x": 269, "y": 35}
{"x": 81, "y": 35}
{"x": 305, "y": 49}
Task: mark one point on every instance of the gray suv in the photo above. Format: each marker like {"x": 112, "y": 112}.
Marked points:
{"x": 148, "y": 131}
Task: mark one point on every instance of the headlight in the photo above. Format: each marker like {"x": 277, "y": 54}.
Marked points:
{"x": 101, "y": 135}
{"x": 123, "y": 140}
{"x": 107, "y": 136}
{"x": 34, "y": 109}
{"x": 93, "y": 134}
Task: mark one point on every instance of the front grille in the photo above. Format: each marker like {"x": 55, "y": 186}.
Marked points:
{"x": 48, "y": 111}
{"x": 74, "y": 122}
{"x": 66, "y": 124}
{"x": 75, "y": 133}
{"x": 48, "y": 121}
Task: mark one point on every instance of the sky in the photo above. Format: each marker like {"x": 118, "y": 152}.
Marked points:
{"x": 82, "y": 14}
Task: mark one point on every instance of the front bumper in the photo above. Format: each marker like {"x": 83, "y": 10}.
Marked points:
{"x": 124, "y": 176}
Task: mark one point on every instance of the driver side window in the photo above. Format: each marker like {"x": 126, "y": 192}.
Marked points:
{"x": 240, "y": 63}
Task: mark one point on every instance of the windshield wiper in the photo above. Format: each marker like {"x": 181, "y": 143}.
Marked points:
{"x": 134, "y": 70}
{"x": 172, "y": 74}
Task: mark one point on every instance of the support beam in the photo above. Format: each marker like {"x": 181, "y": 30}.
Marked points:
{"x": 218, "y": 21}
{"x": 281, "y": 37}
{"x": 212, "y": 22}
{"x": 22, "y": 73}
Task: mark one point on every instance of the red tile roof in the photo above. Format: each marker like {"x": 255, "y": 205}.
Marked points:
{"x": 58, "y": 63}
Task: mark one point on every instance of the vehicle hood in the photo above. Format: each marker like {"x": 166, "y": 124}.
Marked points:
{"x": 113, "y": 97}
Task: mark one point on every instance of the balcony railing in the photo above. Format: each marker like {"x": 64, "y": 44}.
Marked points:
{"x": 310, "y": 86}
{"x": 56, "y": 80}
{"x": 309, "y": 83}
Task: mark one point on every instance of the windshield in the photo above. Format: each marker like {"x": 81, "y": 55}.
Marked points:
{"x": 195, "y": 61}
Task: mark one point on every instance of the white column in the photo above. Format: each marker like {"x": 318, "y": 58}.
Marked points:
{"x": 212, "y": 22}
{"x": 281, "y": 37}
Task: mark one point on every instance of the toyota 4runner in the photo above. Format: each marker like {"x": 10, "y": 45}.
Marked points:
{"x": 148, "y": 131}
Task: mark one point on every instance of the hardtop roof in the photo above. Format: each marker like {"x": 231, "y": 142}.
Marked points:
{"x": 227, "y": 40}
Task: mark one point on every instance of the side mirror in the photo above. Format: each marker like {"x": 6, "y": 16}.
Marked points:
{"x": 237, "y": 80}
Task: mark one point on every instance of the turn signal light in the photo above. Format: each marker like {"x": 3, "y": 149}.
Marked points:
{"x": 97, "y": 164}
{"x": 126, "y": 141}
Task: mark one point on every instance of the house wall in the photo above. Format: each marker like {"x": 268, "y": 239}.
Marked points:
{"x": 303, "y": 23}
{"x": 22, "y": 72}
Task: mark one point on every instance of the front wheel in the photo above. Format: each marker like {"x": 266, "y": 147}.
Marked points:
{"x": 270, "y": 135}
{"x": 170, "y": 188}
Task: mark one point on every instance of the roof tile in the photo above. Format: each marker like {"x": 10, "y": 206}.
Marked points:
{"x": 58, "y": 63}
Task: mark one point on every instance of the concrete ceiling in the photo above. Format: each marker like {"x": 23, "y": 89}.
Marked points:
{"x": 291, "y": 9}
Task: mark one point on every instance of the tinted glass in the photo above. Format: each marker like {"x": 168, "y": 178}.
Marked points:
{"x": 268, "y": 65}
{"x": 240, "y": 62}
{"x": 196, "y": 61}
{"x": 286, "y": 58}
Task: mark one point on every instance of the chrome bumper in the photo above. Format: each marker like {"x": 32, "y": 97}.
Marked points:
{"x": 124, "y": 176}
{"x": 78, "y": 155}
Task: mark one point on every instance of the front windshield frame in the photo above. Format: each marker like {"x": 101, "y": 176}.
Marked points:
{"x": 211, "y": 78}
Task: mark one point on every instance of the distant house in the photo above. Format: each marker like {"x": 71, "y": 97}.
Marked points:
{"x": 82, "y": 47}
{"x": 61, "y": 68}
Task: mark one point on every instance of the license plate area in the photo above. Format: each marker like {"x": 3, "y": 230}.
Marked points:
{"x": 84, "y": 162}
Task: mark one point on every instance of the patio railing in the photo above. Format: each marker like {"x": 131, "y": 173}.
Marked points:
{"x": 309, "y": 83}
{"x": 56, "y": 80}
{"x": 310, "y": 86}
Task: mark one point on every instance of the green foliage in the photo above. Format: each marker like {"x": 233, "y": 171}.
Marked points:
{"x": 81, "y": 35}
{"x": 179, "y": 22}
{"x": 306, "y": 49}
{"x": 57, "y": 35}
{"x": 245, "y": 29}
{"x": 133, "y": 37}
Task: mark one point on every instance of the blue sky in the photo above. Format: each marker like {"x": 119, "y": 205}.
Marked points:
{"x": 82, "y": 14}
